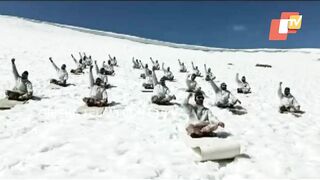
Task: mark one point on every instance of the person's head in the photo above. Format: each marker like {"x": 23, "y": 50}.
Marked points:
{"x": 109, "y": 62}
{"x": 209, "y": 69}
{"x": 196, "y": 67}
{"x": 199, "y": 98}
{"x": 102, "y": 71}
{"x": 193, "y": 77}
{"x": 168, "y": 69}
{"x": 163, "y": 81}
{"x": 156, "y": 61}
{"x": 146, "y": 65}
{"x": 223, "y": 86}
{"x": 243, "y": 79}
{"x": 24, "y": 75}
{"x": 182, "y": 64}
{"x": 286, "y": 91}
{"x": 98, "y": 81}
{"x": 137, "y": 60}
{"x": 80, "y": 61}
{"x": 63, "y": 67}
{"x": 150, "y": 72}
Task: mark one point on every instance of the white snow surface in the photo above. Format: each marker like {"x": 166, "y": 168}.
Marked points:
{"x": 47, "y": 139}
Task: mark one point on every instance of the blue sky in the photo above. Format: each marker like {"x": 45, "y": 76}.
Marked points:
{"x": 217, "y": 24}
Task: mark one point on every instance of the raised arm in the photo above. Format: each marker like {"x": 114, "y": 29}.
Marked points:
{"x": 214, "y": 86}
{"x": 187, "y": 79}
{"x": 80, "y": 55}
{"x": 186, "y": 105}
{"x": 193, "y": 66}
{"x": 91, "y": 77}
{"x": 154, "y": 77}
{"x": 14, "y": 69}
{"x": 74, "y": 59}
{"x": 237, "y": 79}
{"x": 280, "y": 91}
{"x": 54, "y": 65}
{"x": 163, "y": 69}
{"x": 205, "y": 69}
{"x": 151, "y": 60}
{"x": 141, "y": 64}
{"x": 110, "y": 58}
{"x": 179, "y": 62}
{"x": 134, "y": 62}
{"x": 97, "y": 68}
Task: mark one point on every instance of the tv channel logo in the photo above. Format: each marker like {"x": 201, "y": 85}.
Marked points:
{"x": 289, "y": 23}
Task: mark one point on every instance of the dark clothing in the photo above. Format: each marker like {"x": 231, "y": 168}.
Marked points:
{"x": 94, "y": 102}
{"x": 12, "y": 95}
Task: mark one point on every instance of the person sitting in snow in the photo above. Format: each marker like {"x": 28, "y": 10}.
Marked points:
{"x": 136, "y": 64}
{"x": 62, "y": 74}
{"x": 162, "y": 95}
{"x": 202, "y": 122}
{"x": 208, "y": 73}
{"x": 156, "y": 64}
{"x": 108, "y": 68}
{"x": 167, "y": 73}
{"x": 145, "y": 68}
{"x": 191, "y": 83}
{"x": 148, "y": 84}
{"x": 196, "y": 70}
{"x": 102, "y": 74}
{"x": 98, "y": 94}
{"x": 113, "y": 60}
{"x": 80, "y": 66}
{"x": 87, "y": 60}
{"x": 243, "y": 85}
{"x": 183, "y": 68}
{"x": 287, "y": 101}
{"x": 23, "y": 89}
{"x": 224, "y": 98}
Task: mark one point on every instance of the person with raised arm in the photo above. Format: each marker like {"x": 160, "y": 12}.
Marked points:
{"x": 80, "y": 65}
{"x": 89, "y": 61}
{"x": 62, "y": 74}
{"x": 288, "y": 102}
{"x": 155, "y": 64}
{"x": 243, "y": 85}
{"x": 196, "y": 70}
{"x": 183, "y": 68}
{"x": 162, "y": 95}
{"x": 145, "y": 68}
{"x": 113, "y": 60}
{"x": 98, "y": 94}
{"x": 224, "y": 98}
{"x": 202, "y": 122}
{"x": 191, "y": 83}
{"x": 108, "y": 68}
{"x": 167, "y": 73}
{"x": 136, "y": 64}
{"x": 148, "y": 84}
{"x": 23, "y": 89}
{"x": 102, "y": 75}
{"x": 208, "y": 73}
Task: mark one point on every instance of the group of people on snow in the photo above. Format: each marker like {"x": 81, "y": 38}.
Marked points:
{"x": 203, "y": 122}
{"x": 23, "y": 89}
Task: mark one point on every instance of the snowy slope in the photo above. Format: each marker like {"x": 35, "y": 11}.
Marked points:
{"x": 132, "y": 140}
